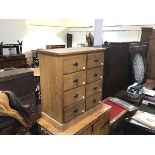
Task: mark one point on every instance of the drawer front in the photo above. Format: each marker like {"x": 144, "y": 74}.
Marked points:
{"x": 94, "y": 74}
{"x": 95, "y": 59}
{"x": 93, "y": 100}
{"x": 74, "y": 110}
{"x": 87, "y": 131}
{"x": 74, "y": 63}
{"x": 101, "y": 130}
{"x": 74, "y": 80}
{"x": 101, "y": 127}
{"x": 74, "y": 95}
{"x": 93, "y": 88}
{"x": 105, "y": 130}
{"x": 14, "y": 63}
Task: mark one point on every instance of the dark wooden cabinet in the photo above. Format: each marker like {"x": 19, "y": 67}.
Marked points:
{"x": 116, "y": 68}
{"x": 16, "y": 61}
{"x": 146, "y": 33}
{"x": 151, "y": 58}
{"x": 54, "y": 46}
{"x": 11, "y": 55}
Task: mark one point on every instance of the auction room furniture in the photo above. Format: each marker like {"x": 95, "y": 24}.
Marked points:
{"x": 118, "y": 65}
{"x": 11, "y": 56}
{"x": 117, "y": 115}
{"x": 71, "y": 84}
{"x": 94, "y": 122}
{"x": 151, "y": 58}
{"x": 146, "y": 33}
{"x": 21, "y": 83}
{"x": 117, "y": 74}
{"x": 54, "y": 46}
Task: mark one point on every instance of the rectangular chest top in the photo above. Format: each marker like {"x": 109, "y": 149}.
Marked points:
{"x": 70, "y": 51}
{"x": 14, "y": 74}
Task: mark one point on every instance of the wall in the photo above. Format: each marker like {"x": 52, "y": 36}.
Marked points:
{"x": 37, "y": 33}
{"x": 33, "y": 36}
{"x": 40, "y": 36}
{"x": 12, "y": 30}
{"x": 122, "y": 33}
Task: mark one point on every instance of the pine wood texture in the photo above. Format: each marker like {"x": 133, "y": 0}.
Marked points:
{"x": 74, "y": 63}
{"x": 94, "y": 74}
{"x": 74, "y": 95}
{"x": 74, "y": 80}
{"x": 93, "y": 88}
{"x": 64, "y": 75}
{"x": 86, "y": 131}
{"x": 74, "y": 110}
{"x": 70, "y": 51}
{"x": 95, "y": 59}
{"x": 84, "y": 124}
{"x": 100, "y": 128}
{"x": 51, "y": 80}
{"x": 93, "y": 100}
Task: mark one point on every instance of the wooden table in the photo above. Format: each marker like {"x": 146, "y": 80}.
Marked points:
{"x": 96, "y": 118}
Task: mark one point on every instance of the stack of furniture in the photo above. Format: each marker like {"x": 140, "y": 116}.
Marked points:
{"x": 15, "y": 59}
{"x": 21, "y": 83}
{"x": 71, "y": 87}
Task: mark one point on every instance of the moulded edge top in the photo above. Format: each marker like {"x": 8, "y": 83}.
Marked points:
{"x": 70, "y": 51}
{"x": 14, "y": 74}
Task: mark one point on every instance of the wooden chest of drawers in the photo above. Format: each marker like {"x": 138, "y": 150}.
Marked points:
{"x": 71, "y": 81}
